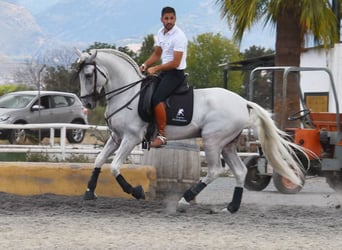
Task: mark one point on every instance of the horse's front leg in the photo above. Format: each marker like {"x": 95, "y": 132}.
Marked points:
{"x": 109, "y": 148}
{"x": 239, "y": 170}
{"x": 123, "y": 152}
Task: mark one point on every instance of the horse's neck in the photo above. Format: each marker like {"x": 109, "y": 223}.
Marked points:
{"x": 121, "y": 71}
{"x": 118, "y": 85}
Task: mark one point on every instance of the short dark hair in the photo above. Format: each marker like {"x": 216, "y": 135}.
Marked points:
{"x": 167, "y": 9}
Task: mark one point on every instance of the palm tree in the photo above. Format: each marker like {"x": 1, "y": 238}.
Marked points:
{"x": 296, "y": 21}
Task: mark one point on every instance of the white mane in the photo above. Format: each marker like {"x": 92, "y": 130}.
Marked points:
{"x": 123, "y": 56}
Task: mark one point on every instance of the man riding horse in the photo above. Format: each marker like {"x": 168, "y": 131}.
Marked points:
{"x": 171, "y": 48}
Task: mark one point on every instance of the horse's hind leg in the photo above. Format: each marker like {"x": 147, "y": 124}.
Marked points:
{"x": 212, "y": 155}
{"x": 101, "y": 158}
{"x": 239, "y": 170}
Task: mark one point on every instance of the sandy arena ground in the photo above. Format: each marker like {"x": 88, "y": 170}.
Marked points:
{"x": 311, "y": 219}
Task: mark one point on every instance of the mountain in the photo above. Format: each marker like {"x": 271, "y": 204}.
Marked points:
{"x": 20, "y": 33}
{"x": 32, "y": 26}
{"x": 42, "y": 24}
{"x": 119, "y": 20}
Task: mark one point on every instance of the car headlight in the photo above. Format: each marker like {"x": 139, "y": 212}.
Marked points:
{"x": 4, "y": 117}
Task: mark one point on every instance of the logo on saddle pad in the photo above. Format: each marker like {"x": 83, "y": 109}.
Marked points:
{"x": 180, "y": 116}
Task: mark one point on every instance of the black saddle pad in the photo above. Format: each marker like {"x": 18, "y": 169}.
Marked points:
{"x": 179, "y": 108}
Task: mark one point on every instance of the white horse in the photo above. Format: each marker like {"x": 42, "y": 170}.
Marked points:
{"x": 219, "y": 116}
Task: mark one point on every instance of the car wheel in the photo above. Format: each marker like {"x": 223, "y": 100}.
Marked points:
{"x": 254, "y": 180}
{"x": 284, "y": 185}
{"x": 17, "y": 136}
{"x": 75, "y": 135}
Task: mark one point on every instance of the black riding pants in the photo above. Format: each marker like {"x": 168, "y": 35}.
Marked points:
{"x": 170, "y": 80}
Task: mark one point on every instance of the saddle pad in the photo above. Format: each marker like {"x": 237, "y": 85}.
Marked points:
{"x": 179, "y": 108}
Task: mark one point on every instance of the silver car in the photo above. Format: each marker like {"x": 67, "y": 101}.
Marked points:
{"x": 24, "y": 107}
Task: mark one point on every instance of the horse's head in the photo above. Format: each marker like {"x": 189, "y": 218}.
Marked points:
{"x": 92, "y": 78}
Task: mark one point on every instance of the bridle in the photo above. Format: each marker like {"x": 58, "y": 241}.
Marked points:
{"x": 94, "y": 94}
{"x": 112, "y": 93}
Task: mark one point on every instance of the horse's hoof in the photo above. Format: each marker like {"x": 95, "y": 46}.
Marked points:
{"x": 183, "y": 205}
{"x": 89, "y": 195}
{"x": 232, "y": 209}
{"x": 138, "y": 193}
{"x": 225, "y": 210}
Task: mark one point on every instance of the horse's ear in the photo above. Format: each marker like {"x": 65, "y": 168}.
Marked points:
{"x": 92, "y": 56}
{"x": 78, "y": 52}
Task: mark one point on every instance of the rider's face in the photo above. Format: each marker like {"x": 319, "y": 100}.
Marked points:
{"x": 168, "y": 20}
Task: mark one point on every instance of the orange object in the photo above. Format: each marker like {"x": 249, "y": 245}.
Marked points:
{"x": 309, "y": 139}
{"x": 324, "y": 120}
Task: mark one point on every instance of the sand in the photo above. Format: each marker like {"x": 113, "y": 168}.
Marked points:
{"x": 311, "y": 219}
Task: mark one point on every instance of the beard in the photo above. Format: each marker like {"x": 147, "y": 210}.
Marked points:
{"x": 169, "y": 26}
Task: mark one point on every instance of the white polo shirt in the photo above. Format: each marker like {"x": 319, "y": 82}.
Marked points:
{"x": 173, "y": 40}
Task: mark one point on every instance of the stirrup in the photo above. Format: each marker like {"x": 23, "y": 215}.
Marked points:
{"x": 159, "y": 141}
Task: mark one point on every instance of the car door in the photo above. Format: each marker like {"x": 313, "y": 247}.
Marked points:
{"x": 44, "y": 114}
{"x": 61, "y": 109}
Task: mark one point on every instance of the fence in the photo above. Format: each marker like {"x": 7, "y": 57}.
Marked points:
{"x": 63, "y": 148}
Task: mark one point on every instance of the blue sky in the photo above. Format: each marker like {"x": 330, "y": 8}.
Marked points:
{"x": 258, "y": 35}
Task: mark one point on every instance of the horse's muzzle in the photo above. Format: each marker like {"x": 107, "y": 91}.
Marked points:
{"x": 88, "y": 103}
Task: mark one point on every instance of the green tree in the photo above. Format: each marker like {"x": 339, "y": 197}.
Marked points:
{"x": 125, "y": 49}
{"x": 128, "y": 51}
{"x": 99, "y": 45}
{"x": 61, "y": 78}
{"x": 205, "y": 53}
{"x": 146, "y": 49}
{"x": 8, "y": 88}
{"x": 296, "y": 21}
{"x": 256, "y": 51}
{"x": 262, "y": 80}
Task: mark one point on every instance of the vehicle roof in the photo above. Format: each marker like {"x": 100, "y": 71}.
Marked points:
{"x": 42, "y": 92}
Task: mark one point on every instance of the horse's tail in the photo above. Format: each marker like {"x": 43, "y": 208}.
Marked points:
{"x": 279, "y": 152}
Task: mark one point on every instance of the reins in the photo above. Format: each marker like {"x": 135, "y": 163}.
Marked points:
{"x": 122, "y": 90}
{"x": 114, "y": 92}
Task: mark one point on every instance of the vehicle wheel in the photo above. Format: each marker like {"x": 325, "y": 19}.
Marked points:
{"x": 254, "y": 181}
{"x": 335, "y": 182}
{"x": 17, "y": 136}
{"x": 284, "y": 185}
{"x": 75, "y": 135}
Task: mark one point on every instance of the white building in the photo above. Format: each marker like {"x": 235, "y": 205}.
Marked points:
{"x": 316, "y": 84}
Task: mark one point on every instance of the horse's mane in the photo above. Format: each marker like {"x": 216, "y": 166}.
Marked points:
{"x": 123, "y": 56}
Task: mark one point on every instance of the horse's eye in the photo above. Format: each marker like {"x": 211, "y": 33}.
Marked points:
{"x": 88, "y": 75}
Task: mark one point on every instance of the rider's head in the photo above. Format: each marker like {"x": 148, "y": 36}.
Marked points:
{"x": 168, "y": 18}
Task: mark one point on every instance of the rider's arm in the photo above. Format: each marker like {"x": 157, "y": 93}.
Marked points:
{"x": 156, "y": 55}
{"x": 177, "y": 57}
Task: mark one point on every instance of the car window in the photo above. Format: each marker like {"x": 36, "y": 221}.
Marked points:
{"x": 44, "y": 102}
{"x": 71, "y": 100}
{"x": 15, "y": 101}
{"x": 60, "y": 101}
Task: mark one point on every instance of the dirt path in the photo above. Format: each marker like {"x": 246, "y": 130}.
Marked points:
{"x": 311, "y": 219}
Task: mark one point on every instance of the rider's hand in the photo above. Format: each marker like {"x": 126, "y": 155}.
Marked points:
{"x": 152, "y": 70}
{"x": 143, "y": 68}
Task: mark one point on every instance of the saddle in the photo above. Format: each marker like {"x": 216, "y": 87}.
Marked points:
{"x": 179, "y": 105}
